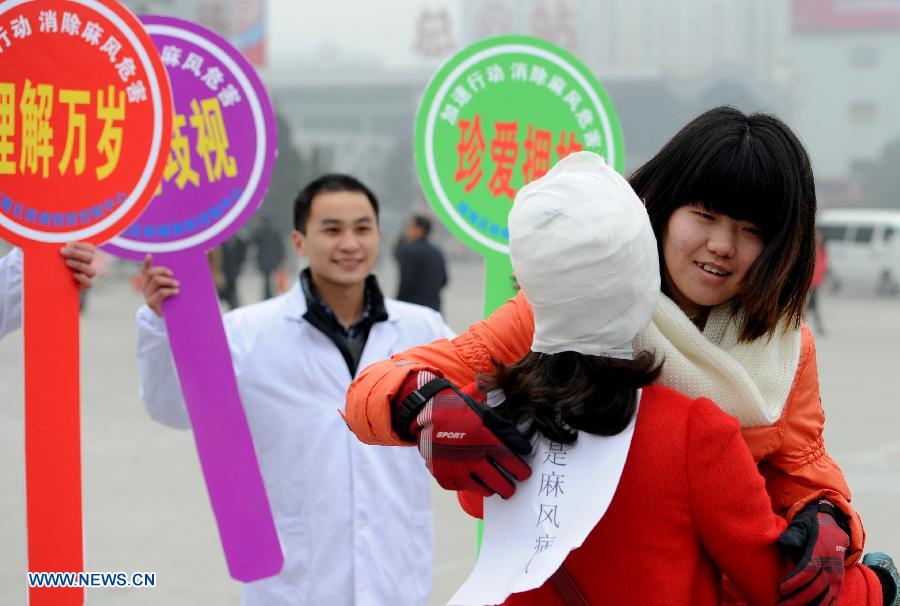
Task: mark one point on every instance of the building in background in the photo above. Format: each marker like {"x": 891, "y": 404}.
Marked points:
{"x": 356, "y": 119}
{"x": 434, "y": 37}
{"x": 845, "y": 89}
{"x": 670, "y": 39}
{"x": 662, "y": 61}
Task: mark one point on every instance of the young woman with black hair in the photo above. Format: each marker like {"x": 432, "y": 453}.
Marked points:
{"x": 584, "y": 392}
{"x": 731, "y": 200}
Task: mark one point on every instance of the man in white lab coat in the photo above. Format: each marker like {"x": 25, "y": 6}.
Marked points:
{"x": 78, "y": 256}
{"x": 355, "y": 520}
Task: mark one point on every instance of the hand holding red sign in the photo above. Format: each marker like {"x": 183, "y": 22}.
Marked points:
{"x": 85, "y": 118}
{"x": 79, "y": 257}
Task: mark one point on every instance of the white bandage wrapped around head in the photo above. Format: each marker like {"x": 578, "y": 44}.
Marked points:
{"x": 584, "y": 253}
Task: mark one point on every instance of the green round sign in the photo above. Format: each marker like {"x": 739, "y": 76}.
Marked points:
{"x": 499, "y": 115}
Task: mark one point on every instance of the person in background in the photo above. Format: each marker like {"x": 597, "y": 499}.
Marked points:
{"x": 819, "y": 274}
{"x": 234, "y": 252}
{"x": 269, "y": 252}
{"x": 79, "y": 257}
{"x": 355, "y": 521}
{"x": 423, "y": 272}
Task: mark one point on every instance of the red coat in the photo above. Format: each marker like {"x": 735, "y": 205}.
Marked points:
{"x": 790, "y": 453}
{"x": 690, "y": 505}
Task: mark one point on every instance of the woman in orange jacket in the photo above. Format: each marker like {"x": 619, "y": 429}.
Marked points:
{"x": 616, "y": 461}
{"x": 732, "y": 202}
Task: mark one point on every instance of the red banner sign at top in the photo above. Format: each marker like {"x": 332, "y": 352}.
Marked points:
{"x": 811, "y": 16}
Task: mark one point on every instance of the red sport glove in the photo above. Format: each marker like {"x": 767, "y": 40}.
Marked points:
{"x": 818, "y": 544}
{"x": 466, "y": 445}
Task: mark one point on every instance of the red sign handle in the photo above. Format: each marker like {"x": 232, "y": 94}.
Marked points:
{"x": 52, "y": 423}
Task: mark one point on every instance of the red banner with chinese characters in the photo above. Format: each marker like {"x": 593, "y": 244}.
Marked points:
{"x": 76, "y": 121}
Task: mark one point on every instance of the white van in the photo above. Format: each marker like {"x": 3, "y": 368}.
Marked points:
{"x": 863, "y": 248}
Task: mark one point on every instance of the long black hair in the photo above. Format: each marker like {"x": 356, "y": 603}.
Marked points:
{"x": 561, "y": 394}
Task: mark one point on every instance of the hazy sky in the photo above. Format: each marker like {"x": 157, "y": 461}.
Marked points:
{"x": 383, "y": 29}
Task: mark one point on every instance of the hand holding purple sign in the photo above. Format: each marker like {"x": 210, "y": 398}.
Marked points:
{"x": 223, "y": 150}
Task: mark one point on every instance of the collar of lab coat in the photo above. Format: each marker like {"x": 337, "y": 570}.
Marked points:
{"x": 383, "y": 336}
{"x": 296, "y": 305}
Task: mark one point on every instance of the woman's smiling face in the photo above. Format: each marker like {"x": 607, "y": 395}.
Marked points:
{"x": 707, "y": 256}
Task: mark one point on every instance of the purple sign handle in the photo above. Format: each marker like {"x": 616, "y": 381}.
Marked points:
{"x": 223, "y": 146}
{"x": 224, "y": 444}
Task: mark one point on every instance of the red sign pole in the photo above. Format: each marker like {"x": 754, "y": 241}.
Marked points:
{"x": 85, "y": 124}
{"x": 52, "y": 423}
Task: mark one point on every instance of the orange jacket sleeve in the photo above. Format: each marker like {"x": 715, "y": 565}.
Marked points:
{"x": 504, "y": 337}
{"x": 800, "y": 471}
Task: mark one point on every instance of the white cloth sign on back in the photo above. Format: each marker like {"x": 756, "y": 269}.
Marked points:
{"x": 527, "y": 537}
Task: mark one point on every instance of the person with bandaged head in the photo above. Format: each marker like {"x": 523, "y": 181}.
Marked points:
{"x": 687, "y": 500}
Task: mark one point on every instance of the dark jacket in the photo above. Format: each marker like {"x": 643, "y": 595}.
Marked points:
{"x": 269, "y": 248}
{"x": 422, "y": 274}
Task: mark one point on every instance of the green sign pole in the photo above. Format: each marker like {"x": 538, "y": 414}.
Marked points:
{"x": 496, "y": 116}
{"x": 499, "y": 282}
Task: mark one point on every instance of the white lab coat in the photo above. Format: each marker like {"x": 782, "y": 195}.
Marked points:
{"x": 10, "y": 292}
{"x": 355, "y": 520}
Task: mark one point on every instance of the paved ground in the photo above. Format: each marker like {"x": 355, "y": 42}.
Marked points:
{"x": 146, "y": 507}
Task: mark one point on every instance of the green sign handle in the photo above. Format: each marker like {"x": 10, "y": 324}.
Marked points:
{"x": 479, "y": 536}
{"x": 499, "y": 287}
{"x": 499, "y": 282}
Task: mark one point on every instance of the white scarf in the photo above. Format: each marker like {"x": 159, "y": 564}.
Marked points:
{"x": 749, "y": 380}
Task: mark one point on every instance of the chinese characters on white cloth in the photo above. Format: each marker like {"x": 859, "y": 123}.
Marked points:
{"x": 527, "y": 538}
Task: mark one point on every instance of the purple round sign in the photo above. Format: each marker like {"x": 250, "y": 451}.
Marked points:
{"x": 224, "y": 144}
{"x": 217, "y": 172}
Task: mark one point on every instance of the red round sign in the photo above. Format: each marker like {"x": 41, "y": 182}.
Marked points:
{"x": 85, "y": 120}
